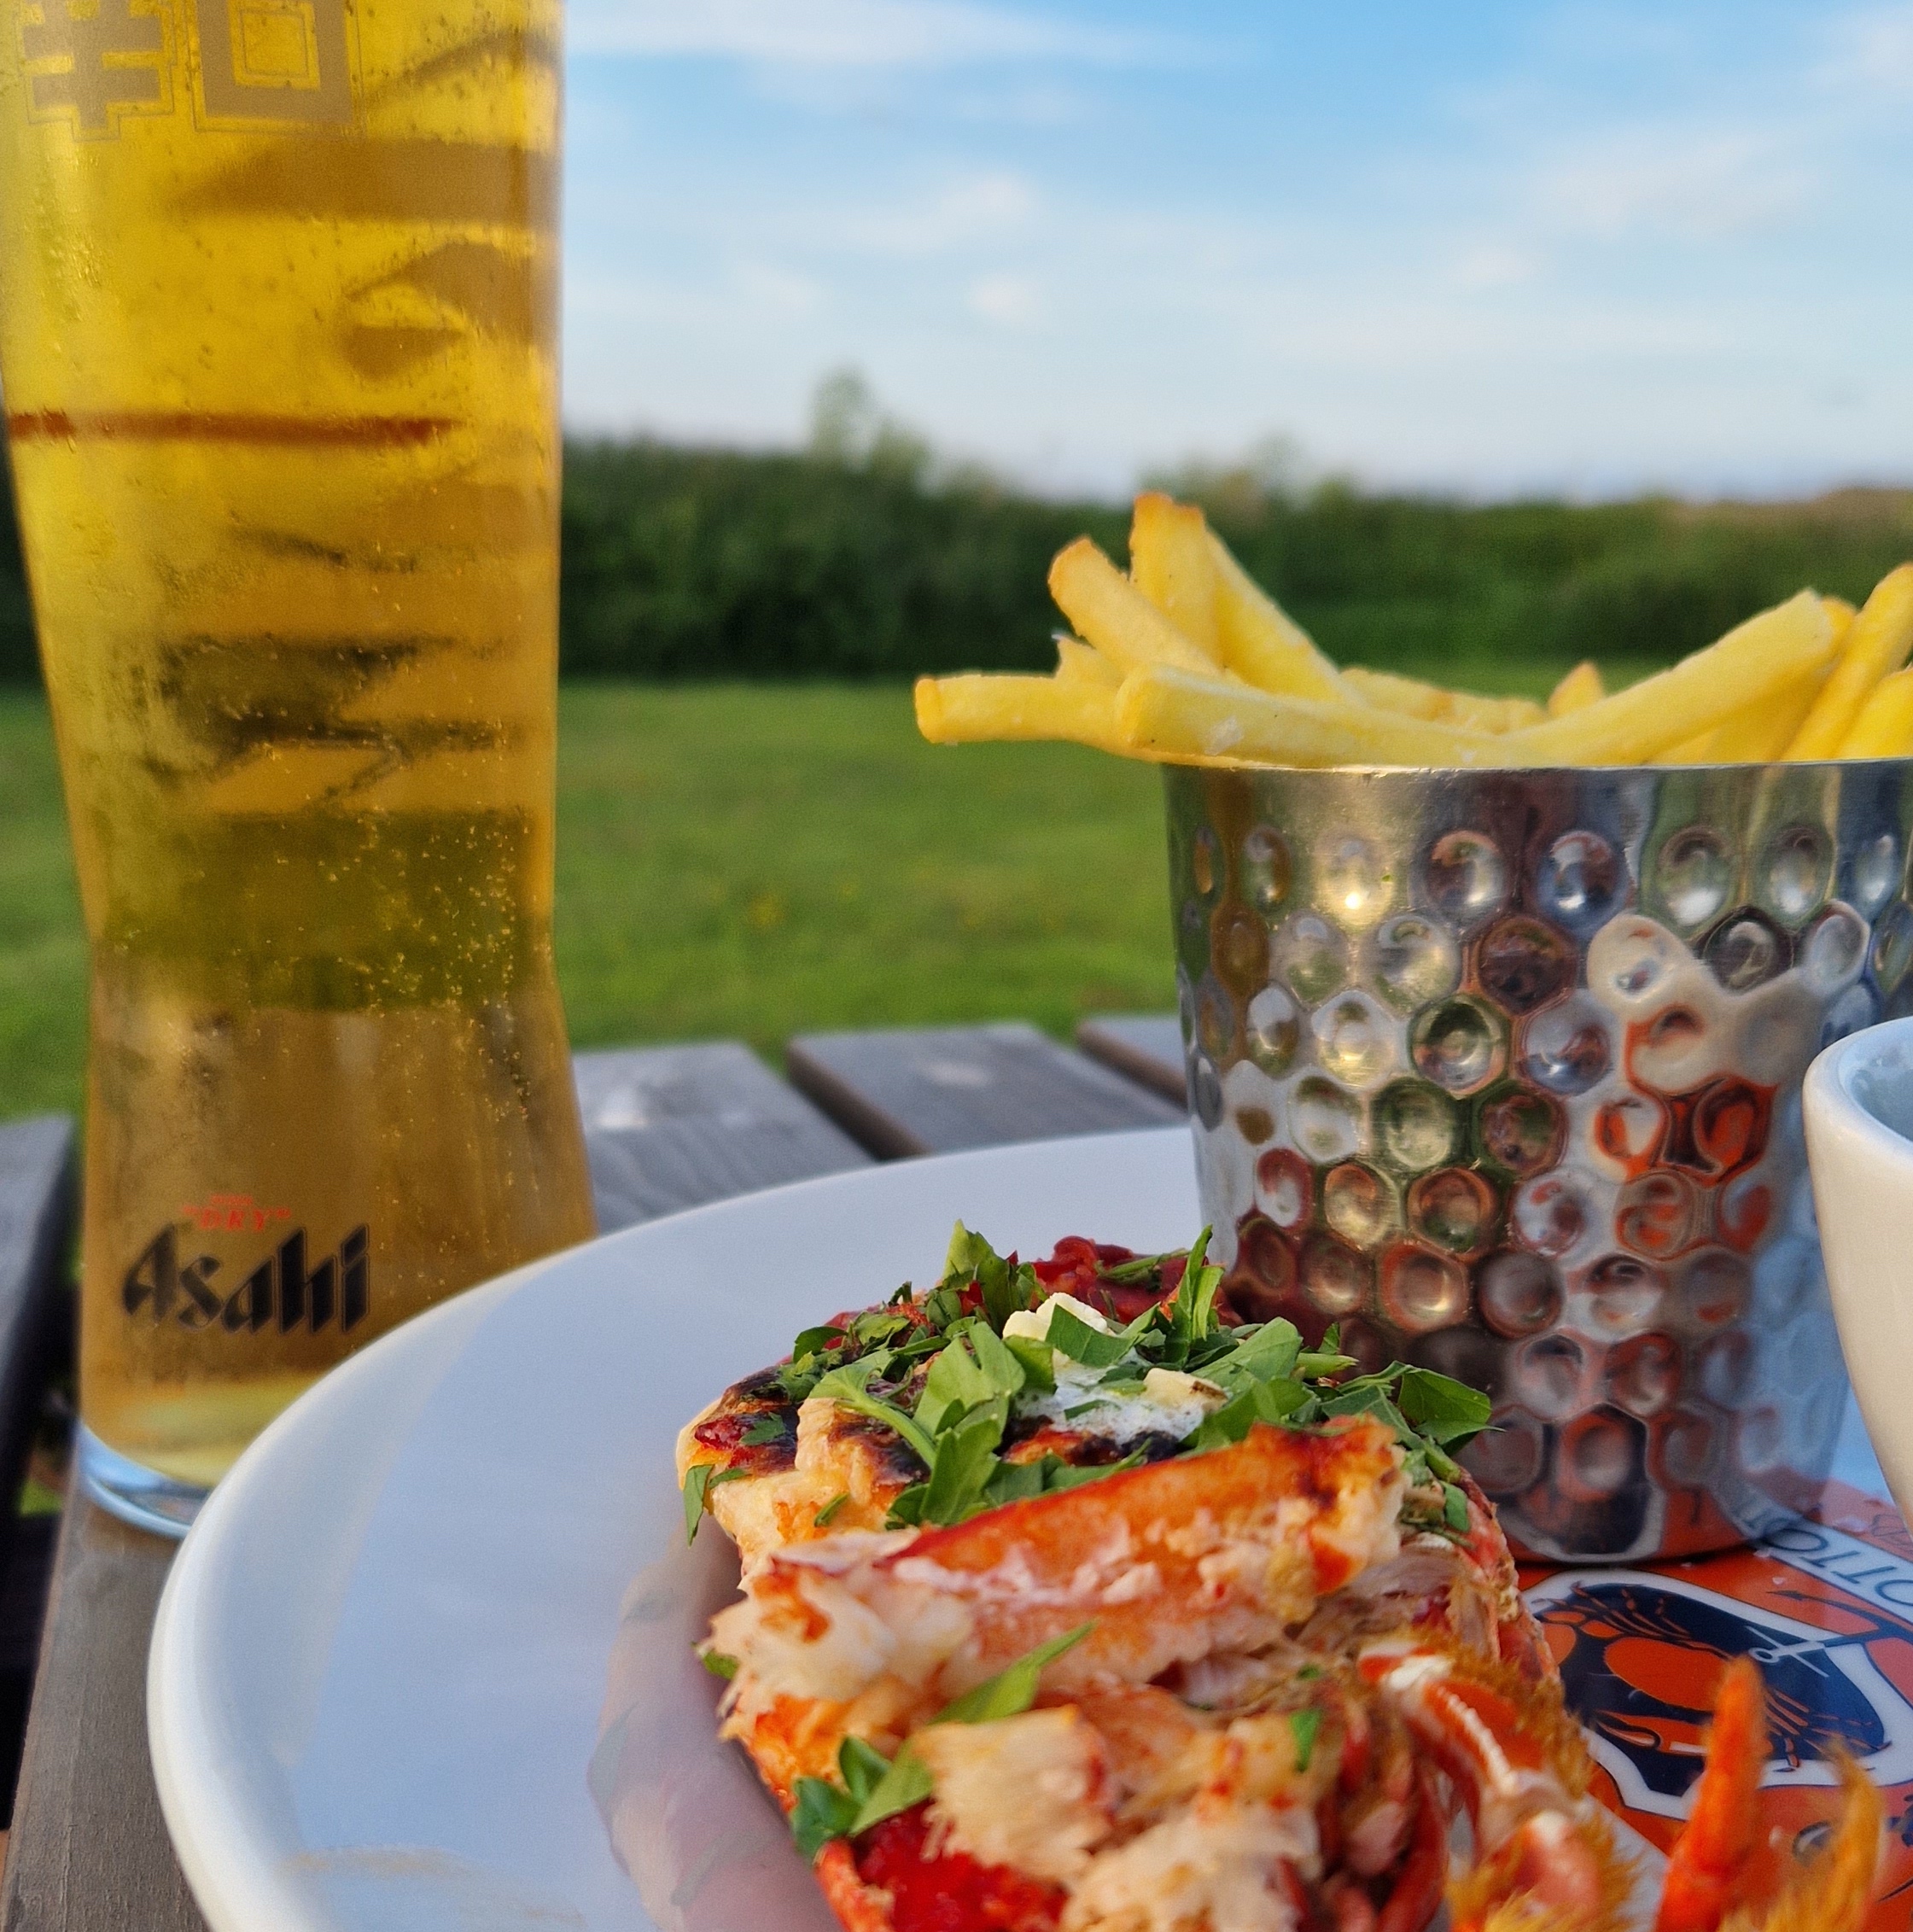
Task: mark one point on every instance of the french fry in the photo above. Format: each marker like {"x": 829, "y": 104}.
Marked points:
{"x": 1580, "y": 688}
{"x": 1408, "y": 695}
{"x": 1498, "y": 714}
{"x": 1753, "y": 660}
{"x": 1168, "y": 713}
{"x": 1438, "y": 704}
{"x": 1077, "y": 663}
{"x": 1877, "y": 643}
{"x": 1170, "y": 564}
{"x": 1753, "y": 734}
{"x": 1139, "y": 680}
{"x": 1471, "y": 709}
{"x": 972, "y": 708}
{"x": 1262, "y": 643}
{"x": 1884, "y": 728}
{"x": 1696, "y": 750}
{"x": 1757, "y": 734}
{"x": 1115, "y": 616}
{"x": 1515, "y": 714}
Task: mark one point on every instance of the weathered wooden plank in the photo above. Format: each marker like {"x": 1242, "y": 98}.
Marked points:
{"x": 932, "y": 1090}
{"x": 666, "y": 1128}
{"x": 1145, "y": 1047}
{"x": 671, "y": 1127}
{"x": 89, "y": 1851}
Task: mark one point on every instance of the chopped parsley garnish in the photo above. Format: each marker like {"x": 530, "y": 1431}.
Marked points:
{"x": 942, "y": 1375}
{"x": 976, "y": 1367}
{"x": 698, "y": 1484}
{"x": 1138, "y": 1268}
{"x": 849, "y": 1386}
{"x": 1193, "y": 1313}
{"x": 825, "y": 1811}
{"x": 874, "y": 1788}
{"x": 815, "y": 1341}
{"x": 1070, "y": 1335}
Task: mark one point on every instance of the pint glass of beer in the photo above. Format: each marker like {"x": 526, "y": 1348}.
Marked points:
{"x": 278, "y": 343}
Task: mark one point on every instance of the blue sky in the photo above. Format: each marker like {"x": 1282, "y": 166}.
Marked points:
{"x": 1479, "y": 245}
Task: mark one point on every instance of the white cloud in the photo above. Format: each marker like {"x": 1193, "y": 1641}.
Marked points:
{"x": 780, "y": 291}
{"x": 1590, "y": 281}
{"x": 1010, "y": 301}
{"x": 1040, "y": 104}
{"x": 841, "y": 33}
{"x": 1693, "y": 185}
{"x": 986, "y": 201}
{"x": 1494, "y": 265}
{"x": 979, "y": 208}
{"x": 1871, "y": 52}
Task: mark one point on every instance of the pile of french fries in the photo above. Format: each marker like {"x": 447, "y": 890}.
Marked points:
{"x": 1187, "y": 661}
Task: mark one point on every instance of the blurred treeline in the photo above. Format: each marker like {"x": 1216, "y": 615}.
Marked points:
{"x": 864, "y": 557}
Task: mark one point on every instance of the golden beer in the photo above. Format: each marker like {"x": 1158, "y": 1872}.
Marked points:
{"x": 277, "y": 340}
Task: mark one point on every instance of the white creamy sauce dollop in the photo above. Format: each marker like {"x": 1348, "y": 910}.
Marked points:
{"x": 1169, "y": 1402}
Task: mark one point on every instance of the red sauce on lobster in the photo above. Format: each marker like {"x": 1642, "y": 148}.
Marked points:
{"x": 950, "y": 1892}
{"x": 1077, "y": 1269}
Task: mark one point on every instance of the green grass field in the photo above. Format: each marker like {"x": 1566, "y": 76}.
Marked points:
{"x": 755, "y": 862}
{"x": 42, "y": 948}
{"x": 741, "y": 861}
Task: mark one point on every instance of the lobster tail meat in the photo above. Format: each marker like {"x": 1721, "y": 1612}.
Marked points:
{"x": 1049, "y": 1624}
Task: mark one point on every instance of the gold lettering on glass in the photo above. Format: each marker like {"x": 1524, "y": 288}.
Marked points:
{"x": 90, "y": 61}
{"x": 265, "y": 61}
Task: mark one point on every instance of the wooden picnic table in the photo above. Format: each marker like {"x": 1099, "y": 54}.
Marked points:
{"x": 666, "y": 1127}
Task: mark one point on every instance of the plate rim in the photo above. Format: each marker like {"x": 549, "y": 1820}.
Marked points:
{"x": 233, "y": 1887}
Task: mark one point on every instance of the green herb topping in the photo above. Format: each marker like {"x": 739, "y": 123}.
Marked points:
{"x": 874, "y": 1788}
{"x": 697, "y": 1486}
{"x": 944, "y": 1376}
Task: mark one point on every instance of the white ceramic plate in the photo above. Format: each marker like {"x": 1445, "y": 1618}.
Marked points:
{"x": 379, "y": 1668}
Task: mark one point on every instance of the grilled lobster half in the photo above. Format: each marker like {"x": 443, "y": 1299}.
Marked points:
{"x": 1070, "y": 1602}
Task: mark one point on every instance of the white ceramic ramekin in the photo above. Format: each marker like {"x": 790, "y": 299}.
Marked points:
{"x": 1858, "y": 1101}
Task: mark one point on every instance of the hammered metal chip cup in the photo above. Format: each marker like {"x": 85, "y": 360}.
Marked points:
{"x": 1500, "y": 1072}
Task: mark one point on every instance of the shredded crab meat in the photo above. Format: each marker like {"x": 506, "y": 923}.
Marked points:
{"x": 1031, "y": 1792}
{"x": 1247, "y": 1686}
{"x": 1171, "y": 1564}
{"x": 1108, "y": 1678}
{"x": 1213, "y": 1866}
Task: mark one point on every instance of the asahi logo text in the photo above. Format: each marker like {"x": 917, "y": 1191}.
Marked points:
{"x": 283, "y": 1290}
